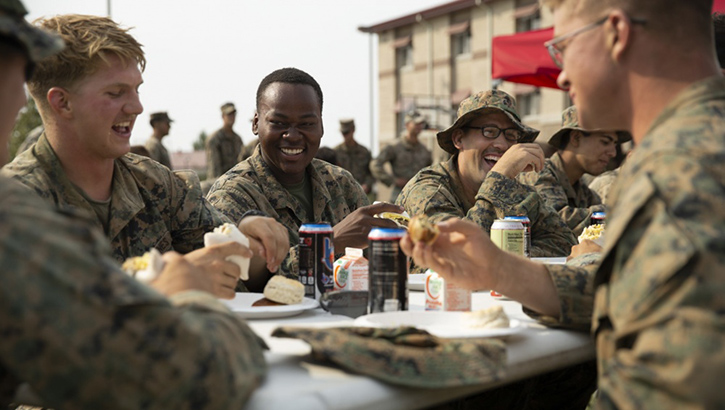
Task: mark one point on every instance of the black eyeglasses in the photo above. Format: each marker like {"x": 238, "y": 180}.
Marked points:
{"x": 491, "y": 132}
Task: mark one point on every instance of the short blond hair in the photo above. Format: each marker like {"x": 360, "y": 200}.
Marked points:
{"x": 88, "y": 41}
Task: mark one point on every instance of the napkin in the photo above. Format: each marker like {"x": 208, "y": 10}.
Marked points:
{"x": 230, "y": 233}
{"x": 405, "y": 355}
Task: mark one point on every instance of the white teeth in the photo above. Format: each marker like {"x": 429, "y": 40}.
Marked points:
{"x": 289, "y": 151}
{"x": 123, "y": 124}
{"x": 491, "y": 158}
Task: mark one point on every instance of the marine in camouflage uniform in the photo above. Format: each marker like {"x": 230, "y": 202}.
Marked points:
{"x": 153, "y": 145}
{"x": 438, "y": 191}
{"x": 574, "y": 201}
{"x": 354, "y": 157}
{"x": 83, "y": 334}
{"x": 406, "y": 157}
{"x": 223, "y": 147}
{"x": 150, "y": 205}
{"x": 251, "y": 185}
{"x": 657, "y": 307}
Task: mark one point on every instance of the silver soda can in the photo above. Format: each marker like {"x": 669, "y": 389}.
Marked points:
{"x": 316, "y": 256}
{"x": 508, "y": 235}
{"x": 388, "y": 271}
{"x": 527, "y": 232}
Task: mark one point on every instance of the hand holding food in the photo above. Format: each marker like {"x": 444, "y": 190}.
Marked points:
{"x": 422, "y": 230}
{"x": 145, "y": 268}
{"x": 594, "y": 233}
{"x": 229, "y": 233}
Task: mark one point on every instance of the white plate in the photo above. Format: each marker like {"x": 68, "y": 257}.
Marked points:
{"x": 441, "y": 324}
{"x": 242, "y": 305}
{"x": 416, "y": 281}
{"x": 551, "y": 261}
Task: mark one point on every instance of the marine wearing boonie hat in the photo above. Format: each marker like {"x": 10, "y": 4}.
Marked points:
{"x": 484, "y": 102}
{"x": 38, "y": 43}
{"x": 347, "y": 125}
{"x": 570, "y": 122}
{"x": 228, "y": 108}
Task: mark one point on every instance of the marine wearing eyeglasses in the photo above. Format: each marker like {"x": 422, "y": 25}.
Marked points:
{"x": 490, "y": 147}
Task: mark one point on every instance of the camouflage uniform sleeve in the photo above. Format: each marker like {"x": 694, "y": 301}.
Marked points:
{"x": 377, "y": 166}
{"x": 213, "y": 157}
{"x": 575, "y": 290}
{"x": 369, "y": 178}
{"x": 117, "y": 340}
{"x": 192, "y": 215}
{"x": 554, "y": 195}
{"x": 500, "y": 196}
{"x": 431, "y": 197}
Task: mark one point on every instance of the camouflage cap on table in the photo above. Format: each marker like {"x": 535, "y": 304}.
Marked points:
{"x": 405, "y": 355}
{"x": 570, "y": 122}
{"x": 38, "y": 43}
{"x": 480, "y": 104}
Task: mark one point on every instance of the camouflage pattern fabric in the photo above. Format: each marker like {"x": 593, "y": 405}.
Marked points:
{"x": 356, "y": 159}
{"x": 158, "y": 152}
{"x": 602, "y": 184}
{"x": 38, "y": 43}
{"x": 151, "y": 207}
{"x": 251, "y": 185}
{"x": 85, "y": 335}
{"x": 659, "y": 301}
{"x": 222, "y": 153}
{"x": 248, "y": 150}
{"x": 575, "y": 203}
{"x": 405, "y": 355}
{"x": 437, "y": 192}
{"x": 405, "y": 159}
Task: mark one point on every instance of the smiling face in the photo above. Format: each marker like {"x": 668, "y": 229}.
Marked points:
{"x": 289, "y": 125}
{"x": 476, "y": 154}
{"x": 102, "y": 109}
{"x": 593, "y": 153}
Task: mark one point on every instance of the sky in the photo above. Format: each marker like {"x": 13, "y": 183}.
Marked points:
{"x": 201, "y": 54}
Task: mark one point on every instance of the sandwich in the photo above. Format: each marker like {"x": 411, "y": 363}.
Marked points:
{"x": 422, "y": 230}
{"x": 145, "y": 268}
{"x": 230, "y": 233}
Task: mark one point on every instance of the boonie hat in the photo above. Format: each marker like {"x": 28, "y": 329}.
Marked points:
{"x": 159, "y": 116}
{"x": 484, "y": 102}
{"x": 570, "y": 122}
{"x": 414, "y": 116}
{"x": 38, "y": 43}
{"x": 347, "y": 125}
{"x": 228, "y": 108}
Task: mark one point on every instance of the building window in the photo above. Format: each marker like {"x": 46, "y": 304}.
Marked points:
{"x": 404, "y": 56}
{"x": 461, "y": 43}
{"x": 528, "y": 23}
{"x": 528, "y": 103}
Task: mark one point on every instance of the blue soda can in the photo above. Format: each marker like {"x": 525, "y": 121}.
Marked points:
{"x": 316, "y": 257}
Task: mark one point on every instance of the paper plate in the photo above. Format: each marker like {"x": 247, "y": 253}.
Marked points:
{"x": 441, "y": 324}
{"x": 242, "y": 305}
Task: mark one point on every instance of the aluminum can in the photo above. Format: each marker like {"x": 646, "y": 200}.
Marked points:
{"x": 527, "y": 232}
{"x": 508, "y": 235}
{"x": 316, "y": 256}
{"x": 388, "y": 271}
{"x": 598, "y": 218}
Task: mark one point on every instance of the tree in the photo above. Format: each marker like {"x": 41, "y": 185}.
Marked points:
{"x": 200, "y": 143}
{"x": 28, "y": 119}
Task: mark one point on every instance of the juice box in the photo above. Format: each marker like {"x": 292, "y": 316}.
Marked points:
{"x": 442, "y": 296}
{"x": 351, "y": 271}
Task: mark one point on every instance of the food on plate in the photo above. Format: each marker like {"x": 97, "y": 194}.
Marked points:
{"x": 422, "y": 230}
{"x": 145, "y": 268}
{"x": 593, "y": 233}
{"x": 230, "y": 233}
{"x": 284, "y": 290}
{"x": 266, "y": 302}
{"x": 493, "y": 317}
{"x": 402, "y": 220}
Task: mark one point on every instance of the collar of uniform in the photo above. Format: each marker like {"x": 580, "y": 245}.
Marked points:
{"x": 557, "y": 165}
{"x": 126, "y": 200}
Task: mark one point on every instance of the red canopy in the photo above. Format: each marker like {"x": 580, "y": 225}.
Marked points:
{"x": 522, "y": 57}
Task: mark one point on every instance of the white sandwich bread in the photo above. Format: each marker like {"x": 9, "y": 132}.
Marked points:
{"x": 493, "y": 317}
{"x": 230, "y": 233}
{"x": 284, "y": 290}
{"x": 145, "y": 268}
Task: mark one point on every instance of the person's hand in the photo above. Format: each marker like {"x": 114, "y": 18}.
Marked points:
{"x": 463, "y": 254}
{"x": 221, "y": 274}
{"x": 268, "y": 239}
{"x": 180, "y": 275}
{"x": 353, "y": 230}
{"x": 520, "y": 158}
{"x": 584, "y": 247}
{"x": 400, "y": 182}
